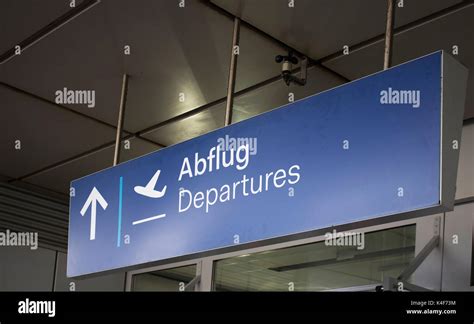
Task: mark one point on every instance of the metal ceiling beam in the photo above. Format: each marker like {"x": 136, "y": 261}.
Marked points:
{"x": 320, "y": 62}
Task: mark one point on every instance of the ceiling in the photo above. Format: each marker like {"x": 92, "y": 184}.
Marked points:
{"x": 185, "y": 51}
{"x": 320, "y": 29}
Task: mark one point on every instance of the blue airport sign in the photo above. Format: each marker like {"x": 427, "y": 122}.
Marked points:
{"x": 363, "y": 150}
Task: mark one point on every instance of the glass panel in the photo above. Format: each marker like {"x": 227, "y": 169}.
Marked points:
{"x": 174, "y": 279}
{"x": 318, "y": 266}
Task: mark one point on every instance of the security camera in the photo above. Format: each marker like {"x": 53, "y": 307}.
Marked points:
{"x": 287, "y": 62}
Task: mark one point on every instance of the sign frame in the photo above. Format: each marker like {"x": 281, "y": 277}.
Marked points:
{"x": 453, "y": 92}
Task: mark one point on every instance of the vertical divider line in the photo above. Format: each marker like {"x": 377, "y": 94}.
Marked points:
{"x": 119, "y": 227}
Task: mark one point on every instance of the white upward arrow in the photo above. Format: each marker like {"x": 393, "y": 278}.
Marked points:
{"x": 93, "y": 198}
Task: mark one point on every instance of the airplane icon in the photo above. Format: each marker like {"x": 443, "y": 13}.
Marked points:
{"x": 149, "y": 190}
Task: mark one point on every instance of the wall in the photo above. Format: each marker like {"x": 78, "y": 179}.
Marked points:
{"x": 457, "y": 256}
{"x": 111, "y": 282}
{"x": 24, "y": 269}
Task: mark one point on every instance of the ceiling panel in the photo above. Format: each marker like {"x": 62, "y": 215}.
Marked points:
{"x": 245, "y": 106}
{"x": 174, "y": 51}
{"x": 319, "y": 28}
{"x": 190, "y": 59}
{"x": 47, "y": 134}
{"x": 190, "y": 127}
{"x": 81, "y": 55}
{"x": 443, "y": 33}
{"x": 20, "y": 19}
{"x": 58, "y": 179}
